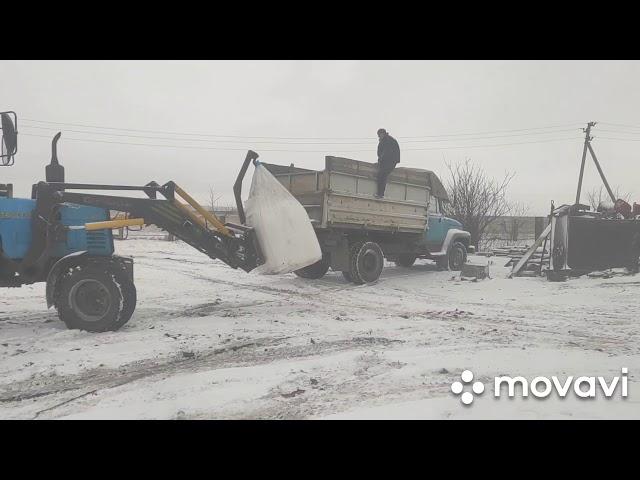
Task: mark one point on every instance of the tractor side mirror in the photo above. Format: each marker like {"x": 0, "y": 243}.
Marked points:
{"x": 9, "y": 143}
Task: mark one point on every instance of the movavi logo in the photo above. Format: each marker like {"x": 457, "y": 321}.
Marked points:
{"x": 542, "y": 387}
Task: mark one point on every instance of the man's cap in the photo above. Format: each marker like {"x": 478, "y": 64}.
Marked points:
{"x": 381, "y": 130}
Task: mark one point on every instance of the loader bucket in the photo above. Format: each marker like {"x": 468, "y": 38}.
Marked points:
{"x": 283, "y": 230}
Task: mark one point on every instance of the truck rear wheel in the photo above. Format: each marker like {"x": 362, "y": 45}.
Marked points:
{"x": 366, "y": 262}
{"x": 95, "y": 298}
{"x": 315, "y": 270}
{"x": 405, "y": 260}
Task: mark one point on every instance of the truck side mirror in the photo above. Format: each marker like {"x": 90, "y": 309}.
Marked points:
{"x": 9, "y": 143}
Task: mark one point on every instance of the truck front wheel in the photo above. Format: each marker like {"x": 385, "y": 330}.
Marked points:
{"x": 95, "y": 298}
{"x": 366, "y": 261}
{"x": 457, "y": 256}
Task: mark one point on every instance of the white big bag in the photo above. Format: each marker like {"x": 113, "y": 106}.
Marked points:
{"x": 283, "y": 229}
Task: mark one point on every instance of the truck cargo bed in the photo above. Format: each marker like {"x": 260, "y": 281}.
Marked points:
{"x": 342, "y": 195}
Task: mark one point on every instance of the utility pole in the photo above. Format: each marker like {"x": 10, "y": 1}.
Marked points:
{"x": 587, "y": 139}
{"x": 587, "y": 146}
{"x": 604, "y": 180}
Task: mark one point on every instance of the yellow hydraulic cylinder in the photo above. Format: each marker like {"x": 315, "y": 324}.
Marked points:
{"x": 211, "y": 218}
{"x": 129, "y": 222}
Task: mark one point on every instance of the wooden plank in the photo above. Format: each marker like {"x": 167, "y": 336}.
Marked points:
{"x": 530, "y": 252}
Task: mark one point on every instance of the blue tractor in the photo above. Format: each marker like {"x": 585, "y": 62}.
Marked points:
{"x": 64, "y": 238}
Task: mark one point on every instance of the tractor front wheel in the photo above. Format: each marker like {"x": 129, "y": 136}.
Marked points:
{"x": 95, "y": 298}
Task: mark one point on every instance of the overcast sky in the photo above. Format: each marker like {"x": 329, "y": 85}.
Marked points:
{"x": 313, "y": 103}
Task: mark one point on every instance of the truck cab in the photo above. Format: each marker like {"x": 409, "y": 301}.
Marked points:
{"x": 438, "y": 224}
{"x": 444, "y": 238}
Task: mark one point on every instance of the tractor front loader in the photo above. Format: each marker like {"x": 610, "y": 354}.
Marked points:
{"x": 63, "y": 236}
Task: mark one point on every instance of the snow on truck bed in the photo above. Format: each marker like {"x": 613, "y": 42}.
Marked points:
{"x": 207, "y": 341}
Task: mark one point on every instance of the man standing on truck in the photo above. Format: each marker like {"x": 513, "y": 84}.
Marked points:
{"x": 388, "y": 158}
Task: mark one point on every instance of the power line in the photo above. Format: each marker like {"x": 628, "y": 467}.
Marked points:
{"x": 623, "y": 132}
{"x": 620, "y": 125}
{"x": 294, "y": 138}
{"x": 191, "y": 147}
{"x": 497, "y": 145}
{"x": 193, "y": 134}
{"x": 621, "y": 139}
{"x": 506, "y": 131}
{"x": 293, "y": 143}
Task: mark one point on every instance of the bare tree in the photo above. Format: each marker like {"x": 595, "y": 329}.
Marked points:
{"x": 476, "y": 200}
{"x": 213, "y": 199}
{"x": 598, "y": 198}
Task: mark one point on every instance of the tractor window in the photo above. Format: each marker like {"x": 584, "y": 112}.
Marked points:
{"x": 433, "y": 205}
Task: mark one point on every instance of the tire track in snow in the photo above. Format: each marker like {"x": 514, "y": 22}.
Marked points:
{"x": 477, "y": 320}
{"x": 247, "y": 354}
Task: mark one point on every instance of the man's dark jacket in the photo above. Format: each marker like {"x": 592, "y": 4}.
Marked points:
{"x": 388, "y": 151}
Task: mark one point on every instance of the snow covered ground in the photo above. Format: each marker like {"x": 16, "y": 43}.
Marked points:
{"x": 208, "y": 341}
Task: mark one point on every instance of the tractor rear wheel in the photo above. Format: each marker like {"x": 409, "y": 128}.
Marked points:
{"x": 95, "y": 298}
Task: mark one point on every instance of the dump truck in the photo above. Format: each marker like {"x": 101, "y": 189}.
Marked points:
{"x": 357, "y": 231}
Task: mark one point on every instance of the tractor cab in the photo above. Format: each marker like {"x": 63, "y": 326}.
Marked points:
{"x": 16, "y": 215}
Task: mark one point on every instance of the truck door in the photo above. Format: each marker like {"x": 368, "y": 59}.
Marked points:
{"x": 437, "y": 227}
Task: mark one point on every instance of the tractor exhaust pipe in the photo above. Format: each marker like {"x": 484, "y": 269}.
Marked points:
{"x": 54, "y": 172}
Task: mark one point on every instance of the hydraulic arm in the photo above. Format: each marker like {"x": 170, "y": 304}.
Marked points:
{"x": 235, "y": 245}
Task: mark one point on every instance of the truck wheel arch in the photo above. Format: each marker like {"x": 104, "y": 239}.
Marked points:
{"x": 454, "y": 235}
